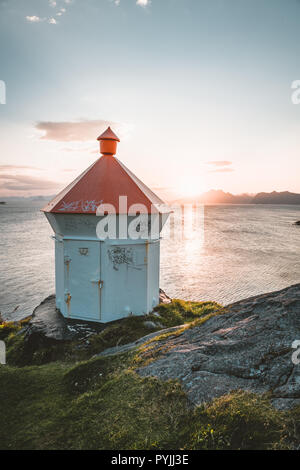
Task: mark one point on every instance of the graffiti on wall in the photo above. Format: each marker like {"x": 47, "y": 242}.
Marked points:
{"x": 119, "y": 256}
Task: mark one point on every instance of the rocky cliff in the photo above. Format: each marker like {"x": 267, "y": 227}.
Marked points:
{"x": 97, "y": 386}
{"x": 249, "y": 347}
{"x": 211, "y": 350}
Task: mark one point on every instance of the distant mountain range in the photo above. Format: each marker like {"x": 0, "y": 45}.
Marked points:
{"x": 210, "y": 197}
{"x": 220, "y": 197}
{"x": 29, "y": 198}
{"x": 276, "y": 198}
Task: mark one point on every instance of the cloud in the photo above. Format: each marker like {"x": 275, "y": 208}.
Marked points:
{"x": 222, "y": 170}
{"x": 61, "y": 12}
{"x": 34, "y": 19}
{"x": 219, "y": 163}
{"x": 54, "y": 4}
{"x": 79, "y": 148}
{"x": 24, "y": 179}
{"x": 143, "y": 3}
{"x": 221, "y": 166}
{"x": 25, "y": 183}
{"x": 17, "y": 167}
{"x": 38, "y": 19}
{"x": 80, "y": 131}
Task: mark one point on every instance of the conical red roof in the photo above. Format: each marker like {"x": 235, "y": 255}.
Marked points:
{"x": 102, "y": 183}
{"x": 108, "y": 135}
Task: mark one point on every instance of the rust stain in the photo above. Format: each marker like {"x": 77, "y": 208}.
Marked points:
{"x": 68, "y": 302}
{"x": 67, "y": 263}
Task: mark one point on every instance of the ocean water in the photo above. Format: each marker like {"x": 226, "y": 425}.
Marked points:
{"x": 238, "y": 251}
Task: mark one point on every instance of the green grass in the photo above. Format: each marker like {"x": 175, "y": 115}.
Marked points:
{"x": 76, "y": 401}
{"x": 11, "y": 328}
{"x": 127, "y": 330}
{"x": 99, "y": 404}
{"x": 239, "y": 420}
{"x": 180, "y": 311}
{"x": 103, "y": 404}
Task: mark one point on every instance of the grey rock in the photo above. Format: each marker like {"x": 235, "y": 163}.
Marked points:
{"x": 249, "y": 347}
{"x": 48, "y": 324}
{"x": 136, "y": 344}
{"x": 164, "y": 298}
{"x": 284, "y": 404}
{"x": 150, "y": 324}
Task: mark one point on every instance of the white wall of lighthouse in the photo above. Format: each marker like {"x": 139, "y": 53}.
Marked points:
{"x": 102, "y": 280}
{"x": 105, "y": 279}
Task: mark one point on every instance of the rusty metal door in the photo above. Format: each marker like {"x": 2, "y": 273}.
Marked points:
{"x": 83, "y": 282}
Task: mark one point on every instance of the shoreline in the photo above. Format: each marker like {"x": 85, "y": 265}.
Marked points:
{"x": 6, "y": 317}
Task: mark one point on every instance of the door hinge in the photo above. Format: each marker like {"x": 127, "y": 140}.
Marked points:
{"x": 67, "y": 260}
{"x": 99, "y": 282}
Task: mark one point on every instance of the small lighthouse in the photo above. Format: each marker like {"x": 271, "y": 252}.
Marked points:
{"x": 107, "y": 226}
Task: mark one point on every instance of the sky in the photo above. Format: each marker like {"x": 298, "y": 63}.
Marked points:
{"x": 199, "y": 92}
